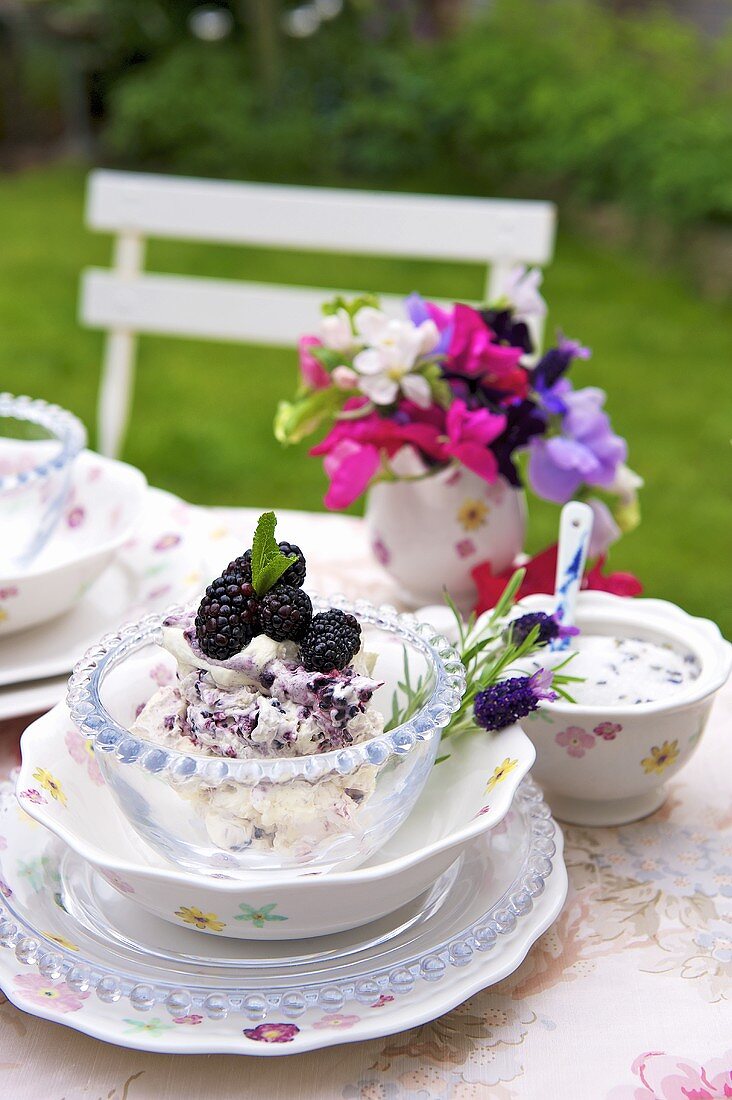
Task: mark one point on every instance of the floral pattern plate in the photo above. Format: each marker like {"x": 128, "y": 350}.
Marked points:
{"x": 163, "y": 564}
{"x": 75, "y": 952}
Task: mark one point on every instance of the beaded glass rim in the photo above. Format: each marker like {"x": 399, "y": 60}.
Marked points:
{"x": 66, "y": 428}
{"x": 34, "y": 949}
{"x": 94, "y": 721}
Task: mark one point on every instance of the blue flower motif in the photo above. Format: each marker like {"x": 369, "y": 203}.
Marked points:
{"x": 682, "y": 861}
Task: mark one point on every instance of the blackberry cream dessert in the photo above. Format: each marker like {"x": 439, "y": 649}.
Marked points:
{"x": 260, "y": 676}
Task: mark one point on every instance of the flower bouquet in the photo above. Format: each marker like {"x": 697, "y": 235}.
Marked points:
{"x": 442, "y": 416}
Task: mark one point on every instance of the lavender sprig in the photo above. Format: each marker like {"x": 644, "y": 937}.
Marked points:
{"x": 489, "y": 649}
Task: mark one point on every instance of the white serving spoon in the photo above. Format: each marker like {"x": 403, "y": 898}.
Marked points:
{"x": 575, "y": 528}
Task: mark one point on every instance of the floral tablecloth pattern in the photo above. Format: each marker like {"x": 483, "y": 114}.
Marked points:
{"x": 627, "y": 997}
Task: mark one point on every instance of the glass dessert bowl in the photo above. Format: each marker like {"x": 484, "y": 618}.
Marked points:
{"x": 38, "y": 445}
{"x": 254, "y": 761}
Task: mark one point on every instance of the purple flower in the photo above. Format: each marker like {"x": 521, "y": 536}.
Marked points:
{"x": 503, "y": 703}
{"x": 555, "y": 363}
{"x": 523, "y": 421}
{"x": 549, "y": 628}
{"x": 588, "y": 452}
{"x": 507, "y": 329}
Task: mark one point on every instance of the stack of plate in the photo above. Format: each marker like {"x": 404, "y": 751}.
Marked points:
{"x": 118, "y": 549}
{"x": 99, "y": 932}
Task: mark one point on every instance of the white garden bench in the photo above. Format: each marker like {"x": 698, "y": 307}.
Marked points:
{"x": 127, "y": 300}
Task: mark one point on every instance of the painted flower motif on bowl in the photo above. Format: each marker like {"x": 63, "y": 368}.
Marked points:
{"x": 50, "y": 784}
{"x": 272, "y": 1033}
{"x": 661, "y": 757}
{"x": 206, "y": 922}
{"x": 39, "y": 991}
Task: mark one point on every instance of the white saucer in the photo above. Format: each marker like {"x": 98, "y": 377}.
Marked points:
{"x": 165, "y": 563}
{"x": 73, "y": 951}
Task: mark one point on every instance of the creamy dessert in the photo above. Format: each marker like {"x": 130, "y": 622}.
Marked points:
{"x": 260, "y": 677}
{"x": 626, "y": 671}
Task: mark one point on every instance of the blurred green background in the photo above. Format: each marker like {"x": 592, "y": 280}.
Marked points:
{"x": 620, "y": 113}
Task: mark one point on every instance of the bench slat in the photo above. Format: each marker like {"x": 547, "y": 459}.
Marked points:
{"x": 323, "y": 219}
{"x": 213, "y": 309}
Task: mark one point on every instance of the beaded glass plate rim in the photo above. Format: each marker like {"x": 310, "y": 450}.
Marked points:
{"x": 94, "y": 722}
{"x": 32, "y": 948}
{"x": 66, "y": 428}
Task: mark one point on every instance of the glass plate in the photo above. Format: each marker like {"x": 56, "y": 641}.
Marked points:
{"x": 62, "y": 919}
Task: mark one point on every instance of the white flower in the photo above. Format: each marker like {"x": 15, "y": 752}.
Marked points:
{"x": 521, "y": 289}
{"x": 626, "y": 484}
{"x": 344, "y": 378}
{"x": 336, "y": 332}
{"x": 387, "y": 364}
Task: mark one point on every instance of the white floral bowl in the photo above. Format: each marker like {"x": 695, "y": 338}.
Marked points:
{"x": 103, "y": 505}
{"x": 607, "y": 765}
{"x": 61, "y": 786}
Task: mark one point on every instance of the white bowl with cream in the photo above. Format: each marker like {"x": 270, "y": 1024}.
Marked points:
{"x": 650, "y": 673}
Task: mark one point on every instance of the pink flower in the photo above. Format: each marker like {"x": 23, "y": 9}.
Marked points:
{"x": 167, "y": 542}
{"x": 33, "y": 796}
{"x": 473, "y": 353}
{"x": 8, "y": 593}
{"x": 381, "y": 551}
{"x": 384, "y": 999}
{"x": 352, "y": 451}
{"x": 119, "y": 883}
{"x": 161, "y": 674}
{"x": 607, "y": 730}
{"x": 156, "y": 593}
{"x": 671, "y": 1077}
{"x": 314, "y": 374}
{"x": 272, "y": 1033}
{"x": 575, "y": 740}
{"x": 82, "y": 752}
{"x": 192, "y": 1019}
{"x": 468, "y": 436}
{"x": 350, "y": 467}
{"x": 75, "y": 517}
{"x": 465, "y": 548}
{"x": 336, "y": 1020}
{"x": 45, "y": 994}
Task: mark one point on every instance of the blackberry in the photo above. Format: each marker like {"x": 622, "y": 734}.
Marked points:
{"x": 242, "y": 564}
{"x": 295, "y": 575}
{"x": 285, "y": 613}
{"x": 228, "y": 615}
{"x": 332, "y": 640}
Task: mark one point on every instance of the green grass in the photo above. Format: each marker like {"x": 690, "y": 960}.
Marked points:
{"x": 203, "y": 411}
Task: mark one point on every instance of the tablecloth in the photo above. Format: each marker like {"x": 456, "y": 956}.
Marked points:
{"x": 627, "y": 997}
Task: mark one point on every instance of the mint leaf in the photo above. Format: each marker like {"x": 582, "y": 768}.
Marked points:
{"x": 268, "y": 561}
{"x": 272, "y": 572}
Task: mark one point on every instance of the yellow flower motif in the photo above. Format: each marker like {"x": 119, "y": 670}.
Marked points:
{"x": 50, "y": 784}
{"x": 662, "y": 758}
{"x": 61, "y": 941}
{"x": 500, "y": 773}
{"x": 3, "y": 614}
{"x": 471, "y": 514}
{"x": 205, "y": 921}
